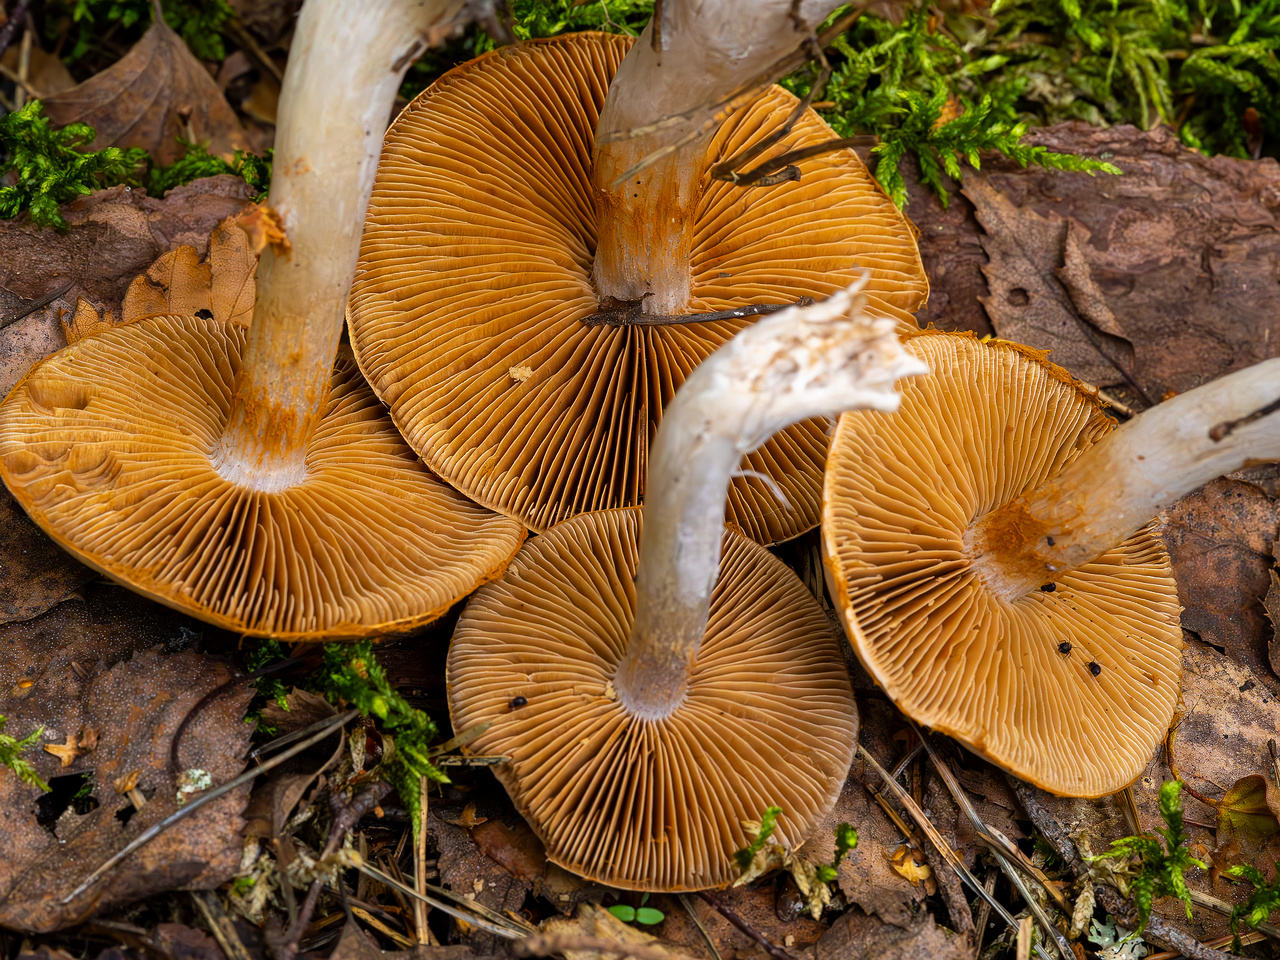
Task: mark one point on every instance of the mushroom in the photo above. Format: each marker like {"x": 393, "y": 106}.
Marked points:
{"x": 244, "y": 478}
{"x": 651, "y": 697}
{"x": 528, "y": 364}
{"x": 992, "y": 558}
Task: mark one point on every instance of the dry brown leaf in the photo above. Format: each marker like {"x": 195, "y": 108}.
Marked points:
{"x": 34, "y": 573}
{"x": 66, "y": 752}
{"x": 914, "y": 873}
{"x": 46, "y": 73}
{"x": 85, "y": 321}
{"x": 152, "y": 95}
{"x": 100, "y": 664}
{"x": 179, "y": 282}
{"x": 858, "y": 936}
{"x": 1181, "y": 248}
{"x": 1220, "y": 539}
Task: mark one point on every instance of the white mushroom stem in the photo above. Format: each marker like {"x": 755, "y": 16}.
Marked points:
{"x": 798, "y": 363}
{"x": 709, "y": 49}
{"x": 346, "y": 63}
{"x": 1119, "y": 484}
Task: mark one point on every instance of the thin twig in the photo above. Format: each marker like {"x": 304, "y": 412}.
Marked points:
{"x": 344, "y": 819}
{"x": 745, "y": 925}
{"x": 29, "y": 308}
{"x": 619, "y": 313}
{"x": 213, "y": 695}
{"x": 220, "y": 925}
{"x": 952, "y": 858}
{"x": 687, "y": 902}
{"x": 193, "y": 805}
{"x": 1210, "y": 902}
{"x": 1002, "y": 857}
{"x": 16, "y": 17}
{"x": 420, "y": 866}
{"x": 984, "y": 911}
{"x": 478, "y": 914}
{"x": 1157, "y": 930}
{"x": 740, "y": 96}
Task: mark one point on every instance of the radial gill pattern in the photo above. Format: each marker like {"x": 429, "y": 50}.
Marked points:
{"x": 108, "y": 446}
{"x": 475, "y": 274}
{"x": 652, "y": 805}
{"x": 1071, "y": 687}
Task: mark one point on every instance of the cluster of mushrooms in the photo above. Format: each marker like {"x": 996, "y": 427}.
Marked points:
{"x": 547, "y": 333}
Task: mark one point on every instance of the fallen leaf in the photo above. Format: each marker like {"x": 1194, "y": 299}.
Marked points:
{"x": 179, "y": 282}
{"x": 1030, "y": 302}
{"x": 354, "y": 944}
{"x": 46, "y": 73}
{"x": 859, "y": 936}
{"x": 1271, "y": 604}
{"x": 907, "y": 868}
{"x": 89, "y": 739}
{"x": 1249, "y": 807}
{"x": 135, "y": 684}
{"x": 85, "y": 321}
{"x": 66, "y": 752}
{"x": 154, "y": 94}
{"x": 112, "y": 236}
{"x": 461, "y": 864}
{"x": 35, "y": 574}
{"x": 1182, "y": 247}
{"x": 1220, "y": 539}
{"x": 468, "y": 819}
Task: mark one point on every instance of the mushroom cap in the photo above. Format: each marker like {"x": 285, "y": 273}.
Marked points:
{"x": 769, "y": 717}
{"x": 993, "y": 421}
{"x": 475, "y": 272}
{"x": 108, "y": 445}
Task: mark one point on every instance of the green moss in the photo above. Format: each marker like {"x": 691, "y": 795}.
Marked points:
{"x": 11, "y": 750}
{"x": 51, "y": 166}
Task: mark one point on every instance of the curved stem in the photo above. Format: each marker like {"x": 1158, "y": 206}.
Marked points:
{"x": 798, "y": 363}
{"x": 346, "y": 63}
{"x": 1119, "y": 484}
{"x": 709, "y": 49}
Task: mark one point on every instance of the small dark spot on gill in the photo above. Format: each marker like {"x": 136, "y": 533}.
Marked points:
{"x": 1048, "y": 587}
{"x": 1095, "y": 667}
{"x": 204, "y": 314}
{"x": 517, "y": 702}
{"x": 1064, "y": 647}
{"x": 1049, "y": 541}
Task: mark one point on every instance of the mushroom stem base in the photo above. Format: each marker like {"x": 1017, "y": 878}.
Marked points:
{"x": 653, "y": 687}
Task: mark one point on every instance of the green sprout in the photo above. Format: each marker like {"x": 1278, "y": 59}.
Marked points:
{"x": 768, "y": 823}
{"x": 11, "y": 750}
{"x": 846, "y": 840}
{"x": 640, "y": 914}
{"x": 1158, "y": 870}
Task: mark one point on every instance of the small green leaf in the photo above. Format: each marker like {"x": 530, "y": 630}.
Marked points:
{"x": 623, "y": 912}
{"x": 649, "y": 915}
